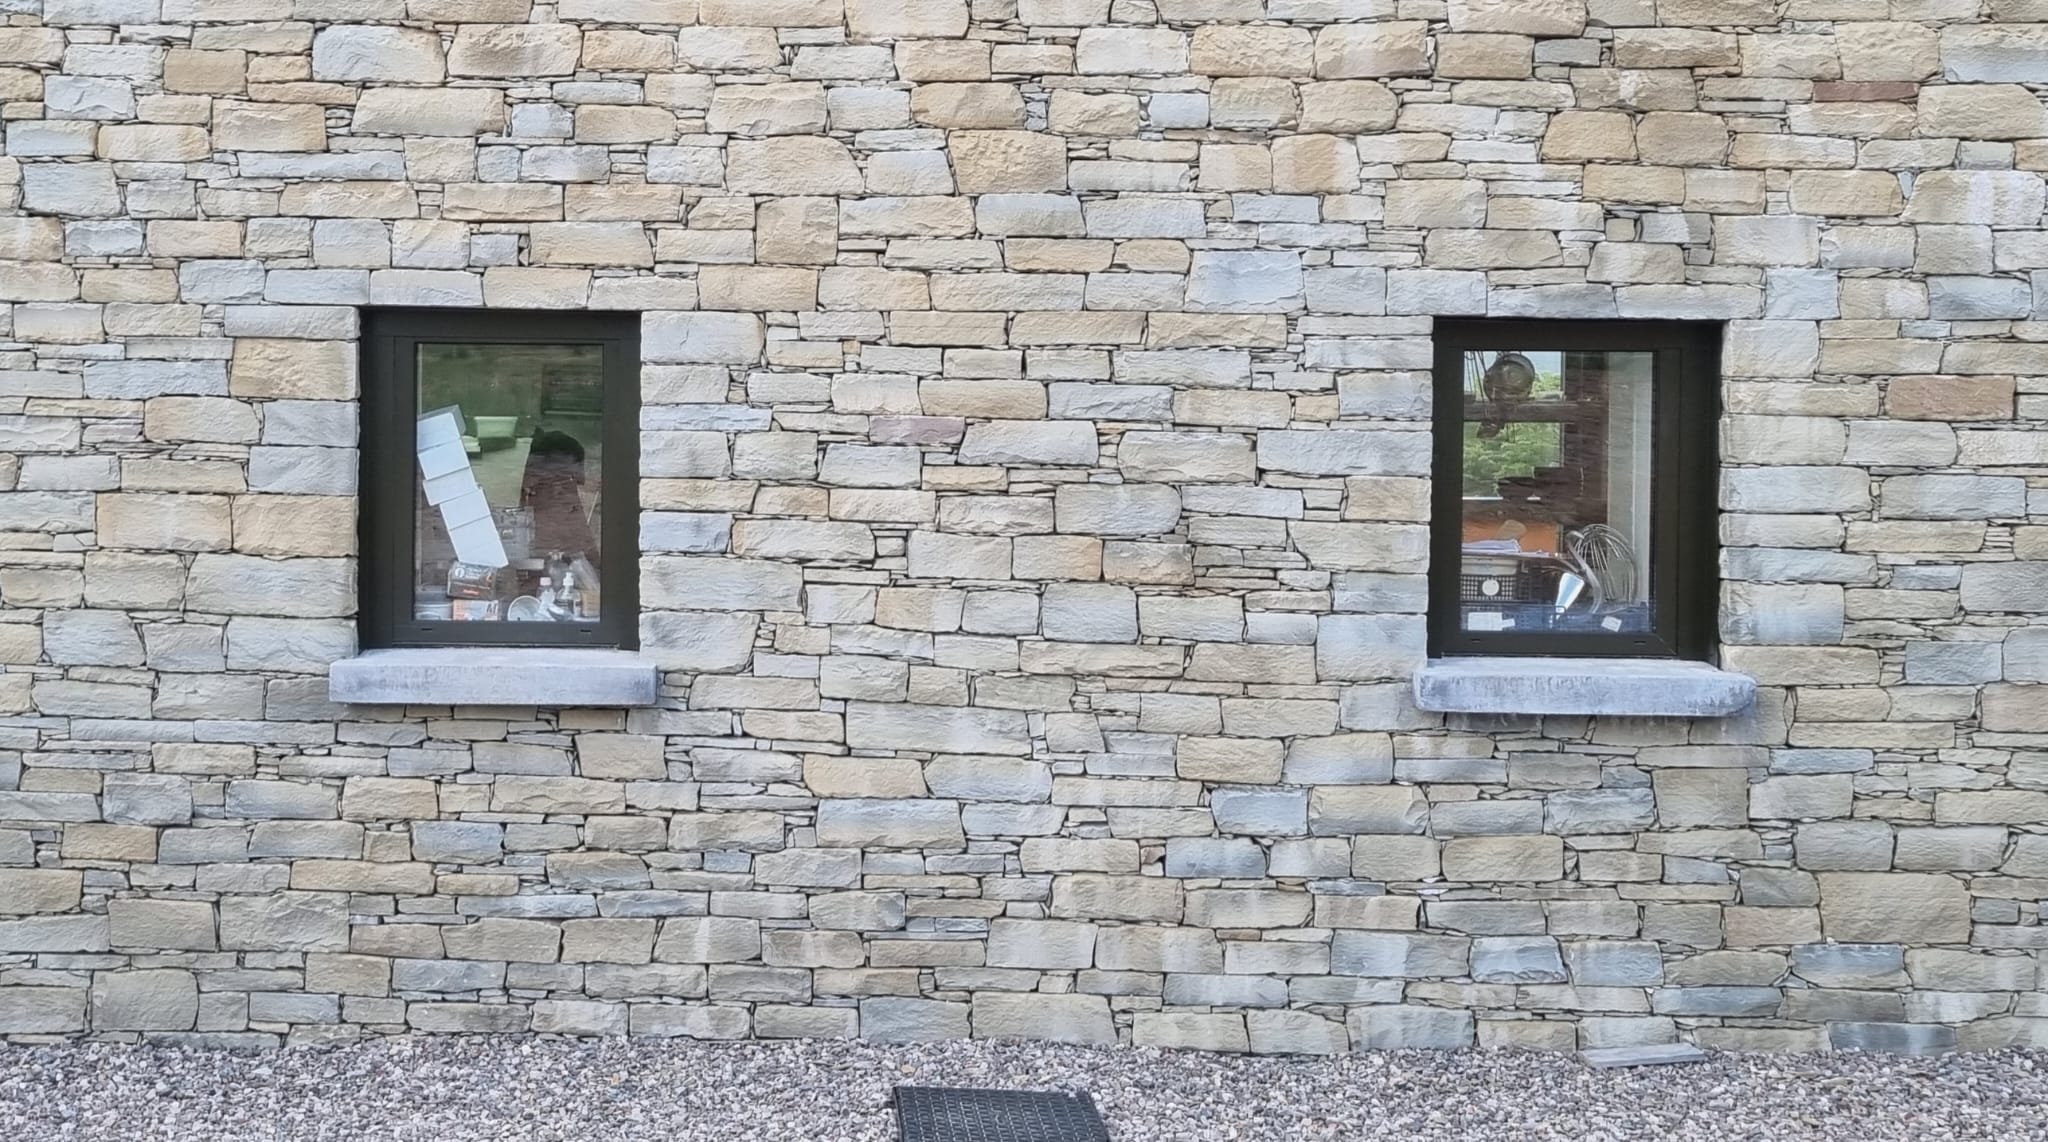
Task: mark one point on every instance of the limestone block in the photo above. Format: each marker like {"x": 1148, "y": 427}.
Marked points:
{"x": 25, "y": 891}
{"x": 351, "y": 53}
{"x": 937, "y": 729}
{"x": 1130, "y": 51}
{"x": 755, "y": 110}
{"x": 906, "y": 19}
{"x": 1913, "y": 908}
{"x": 1974, "y": 111}
{"x": 1054, "y": 1018}
{"x": 459, "y": 112}
{"x": 1982, "y": 198}
{"x": 1590, "y": 136}
{"x": 1988, "y": 53}
{"x": 1527, "y": 858}
{"x": 161, "y": 924}
{"x": 156, "y": 1000}
{"x": 1242, "y": 50}
{"x": 1008, "y": 162}
{"x": 1527, "y": 17}
{"x": 986, "y": 106}
{"x": 1116, "y": 509}
{"x": 702, "y": 338}
{"x": 793, "y": 165}
{"x": 491, "y": 51}
{"x": 1373, "y": 50}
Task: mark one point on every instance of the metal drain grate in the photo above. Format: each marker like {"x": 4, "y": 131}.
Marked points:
{"x": 938, "y": 1114}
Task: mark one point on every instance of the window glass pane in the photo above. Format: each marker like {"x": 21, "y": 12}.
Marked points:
{"x": 1557, "y": 467}
{"x": 510, "y": 481}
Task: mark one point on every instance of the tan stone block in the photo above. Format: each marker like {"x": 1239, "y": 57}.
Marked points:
{"x": 220, "y": 420}
{"x": 269, "y": 126}
{"x": 1352, "y": 106}
{"x": 206, "y": 72}
{"x": 757, "y": 110}
{"x": 295, "y": 525}
{"x": 611, "y": 50}
{"x": 1241, "y": 49}
{"x": 1361, "y": 51}
{"x": 1004, "y": 162}
{"x": 757, "y": 288}
{"x": 968, "y": 105}
{"x": 1674, "y": 48}
{"x": 1080, "y": 113}
{"x": 1528, "y": 17}
{"x": 453, "y": 111}
{"x": 1847, "y": 193}
{"x": 1964, "y": 110}
{"x": 1253, "y": 103}
{"x": 803, "y": 231}
{"x": 773, "y": 13}
{"x": 307, "y": 370}
{"x": 600, "y": 124}
{"x": 1484, "y": 56}
{"x": 350, "y": 200}
{"x": 534, "y": 287}
{"x": 1950, "y": 398}
{"x": 1532, "y": 858}
{"x": 1723, "y": 192}
{"x": 498, "y": 51}
{"x": 590, "y": 244}
{"x": 164, "y": 523}
{"x": 1491, "y": 249}
{"x": 1589, "y": 135}
{"x": 1881, "y": 50}
{"x": 29, "y": 891}
{"x": 1315, "y": 164}
{"x": 1683, "y": 138}
{"x": 1909, "y": 908}
{"x": 906, "y": 19}
{"x": 1227, "y": 166}
{"x": 500, "y": 202}
{"x": 862, "y": 288}
{"x": 795, "y": 165}
{"x": 149, "y": 142}
{"x": 1616, "y": 183}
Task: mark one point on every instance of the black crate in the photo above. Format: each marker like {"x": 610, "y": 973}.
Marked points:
{"x": 939, "y": 1114}
{"x": 1530, "y": 583}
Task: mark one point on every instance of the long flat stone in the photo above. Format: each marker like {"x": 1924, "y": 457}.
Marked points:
{"x": 1612, "y": 686}
{"x": 478, "y": 676}
{"x": 1647, "y": 1055}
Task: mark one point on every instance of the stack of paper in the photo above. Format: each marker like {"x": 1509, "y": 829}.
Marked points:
{"x": 451, "y": 487}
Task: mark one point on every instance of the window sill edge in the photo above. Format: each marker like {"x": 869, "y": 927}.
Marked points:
{"x": 495, "y": 676}
{"x": 1617, "y": 687}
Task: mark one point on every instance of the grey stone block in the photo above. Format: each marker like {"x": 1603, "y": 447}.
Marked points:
{"x": 1581, "y": 686}
{"x": 508, "y": 677}
{"x": 1410, "y": 1027}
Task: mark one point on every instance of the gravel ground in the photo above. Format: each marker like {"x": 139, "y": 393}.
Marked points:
{"x": 456, "y": 1090}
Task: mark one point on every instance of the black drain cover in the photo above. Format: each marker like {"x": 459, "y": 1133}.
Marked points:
{"x": 939, "y": 1114}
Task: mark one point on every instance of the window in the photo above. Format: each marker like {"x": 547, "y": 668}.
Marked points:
{"x": 1574, "y": 503}
{"x": 499, "y": 473}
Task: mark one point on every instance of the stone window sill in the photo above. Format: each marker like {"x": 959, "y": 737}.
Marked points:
{"x": 1637, "y": 687}
{"x": 495, "y": 676}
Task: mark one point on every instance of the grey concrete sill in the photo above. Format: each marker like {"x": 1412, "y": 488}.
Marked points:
{"x": 1651, "y": 687}
{"x": 495, "y": 676}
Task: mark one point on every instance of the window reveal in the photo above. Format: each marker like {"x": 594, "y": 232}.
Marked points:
{"x": 1574, "y": 503}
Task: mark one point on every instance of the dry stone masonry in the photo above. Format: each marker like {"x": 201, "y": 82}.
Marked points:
{"x": 1035, "y": 497}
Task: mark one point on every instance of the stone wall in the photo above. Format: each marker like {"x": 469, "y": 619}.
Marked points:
{"x": 1035, "y": 479}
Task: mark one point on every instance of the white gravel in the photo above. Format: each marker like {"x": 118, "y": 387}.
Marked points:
{"x": 454, "y": 1090}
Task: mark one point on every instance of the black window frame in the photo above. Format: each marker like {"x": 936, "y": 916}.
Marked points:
{"x": 386, "y": 524}
{"x": 1684, "y": 498}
